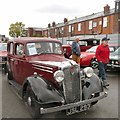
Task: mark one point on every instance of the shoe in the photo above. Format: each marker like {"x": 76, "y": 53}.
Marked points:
{"x": 105, "y": 83}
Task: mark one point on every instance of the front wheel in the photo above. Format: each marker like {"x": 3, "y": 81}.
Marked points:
{"x": 93, "y": 63}
{"x": 30, "y": 100}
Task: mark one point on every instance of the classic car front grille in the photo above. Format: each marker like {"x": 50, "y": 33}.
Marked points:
{"x": 71, "y": 85}
{"x": 114, "y": 62}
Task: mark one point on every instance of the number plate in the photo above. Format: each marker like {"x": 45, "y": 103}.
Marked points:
{"x": 77, "y": 109}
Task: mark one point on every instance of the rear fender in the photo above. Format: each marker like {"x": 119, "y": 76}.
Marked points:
{"x": 92, "y": 85}
{"x": 44, "y": 91}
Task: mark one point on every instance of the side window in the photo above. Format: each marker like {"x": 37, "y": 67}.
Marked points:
{"x": 11, "y": 48}
{"x": 19, "y": 49}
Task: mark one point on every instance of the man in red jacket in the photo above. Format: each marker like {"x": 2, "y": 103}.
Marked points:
{"x": 102, "y": 56}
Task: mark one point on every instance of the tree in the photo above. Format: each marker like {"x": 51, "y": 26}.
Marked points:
{"x": 17, "y": 29}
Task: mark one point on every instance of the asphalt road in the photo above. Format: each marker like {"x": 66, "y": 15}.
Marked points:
{"x": 14, "y": 107}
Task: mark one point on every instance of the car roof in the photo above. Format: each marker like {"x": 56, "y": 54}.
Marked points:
{"x": 31, "y": 39}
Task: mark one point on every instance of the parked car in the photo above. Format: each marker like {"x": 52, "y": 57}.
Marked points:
{"x": 88, "y": 58}
{"x": 47, "y": 81}
{"x": 3, "y": 55}
{"x": 114, "y": 63}
{"x": 85, "y": 44}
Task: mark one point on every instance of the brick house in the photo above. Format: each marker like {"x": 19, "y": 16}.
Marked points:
{"x": 34, "y": 31}
{"x": 106, "y": 22}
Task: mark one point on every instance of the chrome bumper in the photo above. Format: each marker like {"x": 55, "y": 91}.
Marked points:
{"x": 113, "y": 66}
{"x": 68, "y": 106}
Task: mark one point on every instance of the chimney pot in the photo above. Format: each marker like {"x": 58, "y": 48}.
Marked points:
{"x": 65, "y": 20}
{"x": 106, "y": 9}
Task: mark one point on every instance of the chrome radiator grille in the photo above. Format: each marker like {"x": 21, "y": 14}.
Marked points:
{"x": 71, "y": 85}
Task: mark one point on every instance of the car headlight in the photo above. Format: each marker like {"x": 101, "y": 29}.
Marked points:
{"x": 59, "y": 76}
{"x": 88, "y": 71}
{"x": 116, "y": 62}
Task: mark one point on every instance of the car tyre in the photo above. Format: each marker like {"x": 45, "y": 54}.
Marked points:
{"x": 9, "y": 73}
{"x": 30, "y": 101}
{"x": 93, "y": 63}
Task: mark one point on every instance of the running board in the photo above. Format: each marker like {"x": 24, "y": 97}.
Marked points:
{"x": 16, "y": 86}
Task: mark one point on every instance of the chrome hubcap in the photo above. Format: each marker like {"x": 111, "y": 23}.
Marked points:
{"x": 29, "y": 101}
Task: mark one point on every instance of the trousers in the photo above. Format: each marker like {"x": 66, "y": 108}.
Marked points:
{"x": 102, "y": 73}
{"x": 76, "y": 58}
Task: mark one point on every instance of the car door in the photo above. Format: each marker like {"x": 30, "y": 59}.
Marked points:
{"x": 19, "y": 63}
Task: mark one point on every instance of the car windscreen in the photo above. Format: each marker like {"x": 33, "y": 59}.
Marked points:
{"x": 117, "y": 51}
{"x": 44, "y": 48}
{"x": 92, "y": 49}
{"x": 3, "y": 47}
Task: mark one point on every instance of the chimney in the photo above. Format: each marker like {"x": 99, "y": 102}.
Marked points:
{"x": 65, "y": 20}
{"x": 53, "y": 24}
{"x": 49, "y": 25}
{"x": 106, "y": 9}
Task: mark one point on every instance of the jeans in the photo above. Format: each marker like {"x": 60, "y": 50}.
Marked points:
{"x": 102, "y": 68}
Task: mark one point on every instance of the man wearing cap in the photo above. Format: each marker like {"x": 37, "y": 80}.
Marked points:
{"x": 76, "y": 51}
{"x": 102, "y": 56}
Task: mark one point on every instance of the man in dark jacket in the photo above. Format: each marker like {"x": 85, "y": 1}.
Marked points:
{"x": 102, "y": 56}
{"x": 76, "y": 51}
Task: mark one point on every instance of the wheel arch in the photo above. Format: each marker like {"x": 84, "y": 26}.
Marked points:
{"x": 43, "y": 90}
{"x": 93, "y": 86}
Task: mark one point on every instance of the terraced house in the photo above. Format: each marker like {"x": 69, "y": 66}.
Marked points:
{"x": 96, "y": 25}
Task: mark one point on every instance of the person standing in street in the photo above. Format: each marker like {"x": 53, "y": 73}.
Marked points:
{"x": 76, "y": 51}
{"x": 102, "y": 56}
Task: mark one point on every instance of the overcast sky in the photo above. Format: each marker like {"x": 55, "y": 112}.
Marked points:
{"x": 38, "y": 13}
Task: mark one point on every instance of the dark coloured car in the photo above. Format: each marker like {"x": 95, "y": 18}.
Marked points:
{"x": 88, "y": 57}
{"x": 47, "y": 81}
{"x": 114, "y": 63}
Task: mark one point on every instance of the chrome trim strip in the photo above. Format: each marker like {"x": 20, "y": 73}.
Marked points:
{"x": 43, "y": 66}
{"x": 43, "y": 70}
{"x": 68, "y": 106}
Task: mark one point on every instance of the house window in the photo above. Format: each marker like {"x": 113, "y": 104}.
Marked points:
{"x": 55, "y": 31}
{"x": 69, "y": 28}
{"x": 72, "y": 28}
{"x": 105, "y": 22}
{"x": 79, "y": 27}
{"x": 94, "y": 24}
{"x": 62, "y": 28}
{"x": 100, "y": 22}
{"x": 90, "y": 25}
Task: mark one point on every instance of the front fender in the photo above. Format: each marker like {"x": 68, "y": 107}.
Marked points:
{"x": 92, "y": 85}
{"x": 44, "y": 91}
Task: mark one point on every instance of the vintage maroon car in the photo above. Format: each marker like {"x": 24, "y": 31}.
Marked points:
{"x": 87, "y": 58}
{"x": 47, "y": 81}
{"x": 85, "y": 44}
{"x": 3, "y": 55}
